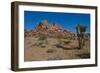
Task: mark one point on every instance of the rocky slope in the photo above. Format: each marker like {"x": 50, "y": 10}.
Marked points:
{"x": 51, "y": 42}
{"x": 50, "y": 30}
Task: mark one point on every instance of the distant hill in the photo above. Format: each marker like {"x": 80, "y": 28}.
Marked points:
{"x": 50, "y": 30}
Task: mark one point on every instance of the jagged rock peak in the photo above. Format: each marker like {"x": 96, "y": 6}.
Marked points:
{"x": 44, "y": 22}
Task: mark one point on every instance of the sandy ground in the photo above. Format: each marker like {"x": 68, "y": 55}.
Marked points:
{"x": 54, "y": 49}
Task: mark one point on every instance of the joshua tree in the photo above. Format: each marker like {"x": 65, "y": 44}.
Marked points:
{"x": 81, "y": 29}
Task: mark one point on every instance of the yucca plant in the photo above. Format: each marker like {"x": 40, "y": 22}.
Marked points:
{"x": 80, "y": 30}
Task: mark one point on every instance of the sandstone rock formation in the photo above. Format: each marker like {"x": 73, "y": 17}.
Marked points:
{"x": 50, "y": 30}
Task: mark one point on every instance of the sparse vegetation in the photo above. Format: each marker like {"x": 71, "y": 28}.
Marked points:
{"x": 43, "y": 45}
{"x": 54, "y": 43}
{"x": 42, "y": 37}
{"x": 51, "y": 51}
{"x": 84, "y": 55}
{"x": 57, "y": 57}
{"x": 41, "y": 41}
{"x": 65, "y": 42}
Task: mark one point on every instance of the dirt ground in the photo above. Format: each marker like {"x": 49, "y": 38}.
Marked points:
{"x": 54, "y": 49}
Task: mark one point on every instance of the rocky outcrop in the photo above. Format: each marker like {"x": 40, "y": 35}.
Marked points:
{"x": 50, "y": 30}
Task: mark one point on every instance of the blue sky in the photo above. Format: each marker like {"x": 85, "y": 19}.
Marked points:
{"x": 65, "y": 20}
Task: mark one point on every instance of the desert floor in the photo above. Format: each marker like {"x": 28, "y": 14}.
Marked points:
{"x": 54, "y": 49}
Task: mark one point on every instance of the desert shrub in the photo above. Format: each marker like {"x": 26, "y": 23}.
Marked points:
{"x": 43, "y": 46}
{"x": 51, "y": 50}
{"x": 42, "y": 37}
{"x": 41, "y": 41}
{"x": 85, "y": 55}
{"x": 66, "y": 41}
{"x": 63, "y": 42}
{"x": 58, "y": 57}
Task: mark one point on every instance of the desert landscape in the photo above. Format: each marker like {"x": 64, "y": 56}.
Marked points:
{"x": 52, "y": 42}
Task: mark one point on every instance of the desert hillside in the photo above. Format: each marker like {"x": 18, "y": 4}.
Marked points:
{"x": 52, "y": 42}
